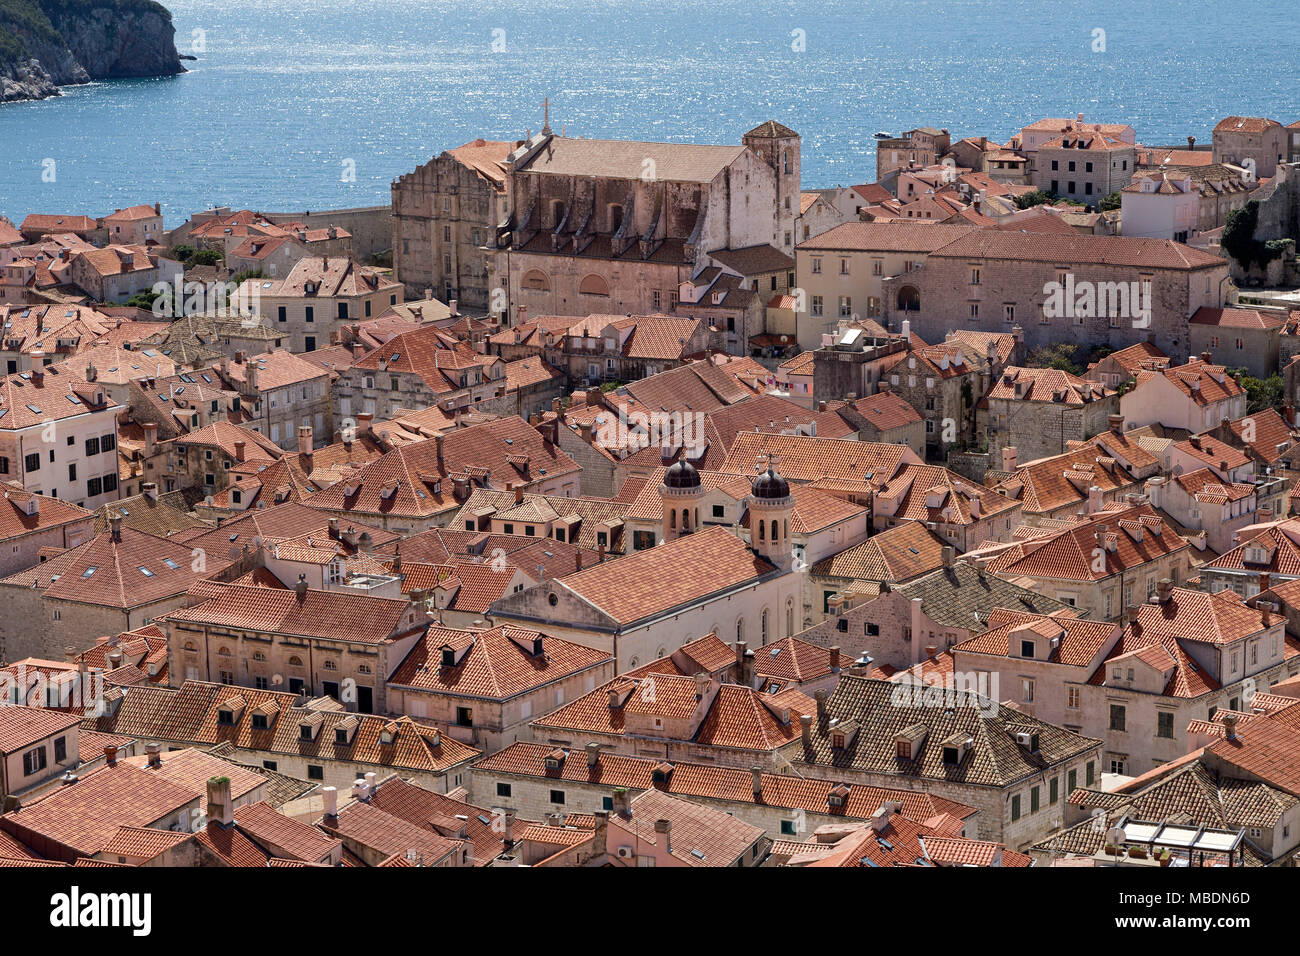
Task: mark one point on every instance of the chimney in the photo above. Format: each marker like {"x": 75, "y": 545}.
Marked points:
{"x": 577, "y": 559}
{"x": 330, "y": 798}
{"x": 239, "y": 450}
{"x": 930, "y": 651}
{"x": 219, "y": 800}
{"x": 600, "y": 843}
{"x": 305, "y": 442}
{"x": 110, "y": 755}
{"x": 150, "y": 437}
{"x": 70, "y": 653}
{"x": 820, "y": 697}
{"x": 115, "y": 527}
{"x": 114, "y": 659}
{"x": 150, "y": 490}
{"x": 301, "y": 588}
{"x": 1096, "y": 499}
{"x": 593, "y": 754}
{"x": 948, "y": 555}
{"x": 664, "y": 828}
{"x": 1131, "y": 615}
{"x": 1164, "y": 587}
{"x": 621, "y": 803}
{"x": 519, "y": 493}
{"x": 334, "y": 527}
{"x": 38, "y": 366}
{"x": 1009, "y": 455}
{"x": 1230, "y": 726}
{"x": 1191, "y": 142}
{"x": 452, "y": 305}
{"x": 805, "y": 730}
{"x": 155, "y": 755}
{"x": 1116, "y": 423}
{"x": 757, "y": 774}
{"x": 508, "y": 835}
{"x": 1265, "y": 581}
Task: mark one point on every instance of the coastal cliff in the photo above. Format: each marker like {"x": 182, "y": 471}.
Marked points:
{"x": 45, "y": 44}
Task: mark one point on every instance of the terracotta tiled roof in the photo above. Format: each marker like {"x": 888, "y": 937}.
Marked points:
{"x": 994, "y": 758}
{"x": 719, "y": 783}
{"x": 884, "y": 237}
{"x": 701, "y": 836}
{"x": 650, "y": 582}
{"x": 499, "y": 664}
{"x": 369, "y": 826}
{"x": 1076, "y": 248}
{"x": 333, "y": 615}
{"x": 806, "y": 459}
{"x": 1202, "y": 382}
{"x": 142, "y": 842}
{"x": 1244, "y": 124}
{"x": 1070, "y": 642}
{"x": 1045, "y": 385}
{"x": 1133, "y": 537}
{"x": 896, "y": 554}
{"x": 438, "y": 813}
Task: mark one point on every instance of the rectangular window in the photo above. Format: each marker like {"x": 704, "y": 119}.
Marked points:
{"x": 1053, "y": 790}
{"x": 1015, "y": 807}
{"x": 282, "y": 314}
{"x": 503, "y": 789}
{"x": 1117, "y": 715}
{"x": 33, "y": 461}
{"x": 557, "y": 796}
{"x": 1165, "y": 724}
{"x": 34, "y": 761}
{"x": 315, "y": 771}
{"x": 1090, "y": 774}
{"x": 1033, "y": 799}
{"x": 311, "y": 313}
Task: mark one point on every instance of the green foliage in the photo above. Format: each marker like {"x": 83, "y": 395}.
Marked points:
{"x": 1060, "y": 355}
{"x": 1035, "y": 198}
{"x": 1261, "y": 393}
{"x": 1239, "y": 239}
{"x": 182, "y": 253}
{"x": 205, "y": 257}
{"x": 1113, "y": 201}
{"x": 143, "y": 300}
{"x": 248, "y": 274}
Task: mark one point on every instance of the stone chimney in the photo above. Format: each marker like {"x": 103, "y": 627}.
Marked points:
{"x": 1230, "y": 726}
{"x": 593, "y": 754}
{"x": 155, "y": 754}
{"x": 219, "y": 802}
{"x": 330, "y": 799}
{"x": 835, "y": 657}
{"x": 1116, "y": 423}
{"x": 949, "y": 553}
{"x": 239, "y": 449}
{"x": 150, "y": 490}
{"x": 305, "y": 441}
{"x": 1009, "y": 456}
{"x": 110, "y": 755}
{"x": 757, "y": 774}
{"x": 508, "y": 836}
{"x": 1164, "y": 588}
{"x": 115, "y": 528}
{"x": 664, "y": 834}
{"x": 150, "y": 437}
{"x": 805, "y": 731}
{"x": 300, "y": 589}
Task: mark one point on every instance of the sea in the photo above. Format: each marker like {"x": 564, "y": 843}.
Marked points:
{"x": 299, "y": 105}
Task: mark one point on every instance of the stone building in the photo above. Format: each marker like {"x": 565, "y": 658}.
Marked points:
{"x": 445, "y": 215}
{"x": 1252, "y": 142}
{"x": 908, "y": 736}
{"x": 617, "y": 227}
{"x": 1084, "y": 166}
{"x": 917, "y": 147}
{"x": 1039, "y": 411}
{"x": 1075, "y": 288}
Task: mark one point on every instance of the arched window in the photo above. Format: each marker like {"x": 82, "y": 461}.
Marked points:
{"x": 909, "y": 299}
{"x": 763, "y": 625}
{"x": 762, "y": 530}
{"x": 661, "y": 652}
{"x": 672, "y": 517}
{"x": 536, "y": 280}
{"x": 223, "y": 652}
{"x": 686, "y": 519}
{"x": 594, "y": 285}
{"x": 295, "y": 661}
{"x": 740, "y": 628}
{"x": 789, "y": 617}
{"x": 775, "y": 536}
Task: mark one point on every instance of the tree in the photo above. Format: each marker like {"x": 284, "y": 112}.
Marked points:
{"x": 1060, "y": 355}
{"x": 1112, "y": 201}
{"x": 1035, "y": 198}
{"x": 205, "y": 257}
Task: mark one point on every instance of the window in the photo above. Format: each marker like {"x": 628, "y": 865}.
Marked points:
{"x": 271, "y": 765}
{"x": 1015, "y": 807}
{"x": 846, "y": 307}
{"x": 1071, "y": 781}
{"x": 1165, "y": 724}
{"x": 1026, "y": 690}
{"x": 95, "y": 486}
{"x": 503, "y": 789}
{"x": 34, "y": 761}
{"x": 1072, "y": 698}
{"x": 816, "y": 266}
{"x": 1090, "y": 774}
{"x": 1033, "y": 799}
{"x": 789, "y": 828}
{"x": 282, "y": 314}
{"x": 817, "y": 305}
{"x": 464, "y": 717}
{"x": 1117, "y": 717}
{"x": 315, "y": 771}
{"x": 557, "y": 796}
{"x": 32, "y": 462}
{"x": 1053, "y": 790}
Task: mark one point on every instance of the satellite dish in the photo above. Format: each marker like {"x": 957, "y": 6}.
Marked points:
{"x": 277, "y": 680}
{"x": 1116, "y": 836}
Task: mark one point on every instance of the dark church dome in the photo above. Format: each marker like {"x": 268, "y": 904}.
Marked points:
{"x": 682, "y": 475}
{"x": 770, "y": 485}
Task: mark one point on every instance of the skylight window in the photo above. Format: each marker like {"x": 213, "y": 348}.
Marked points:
{"x": 145, "y": 571}
{"x": 89, "y": 571}
{"x": 33, "y": 408}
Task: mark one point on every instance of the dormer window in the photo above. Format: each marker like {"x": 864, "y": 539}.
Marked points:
{"x": 555, "y": 759}
{"x": 448, "y": 657}
{"x": 340, "y": 735}
{"x": 1027, "y": 649}
{"x": 260, "y": 722}
{"x": 838, "y": 795}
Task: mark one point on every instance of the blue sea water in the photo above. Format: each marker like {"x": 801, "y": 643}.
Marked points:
{"x": 287, "y": 97}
